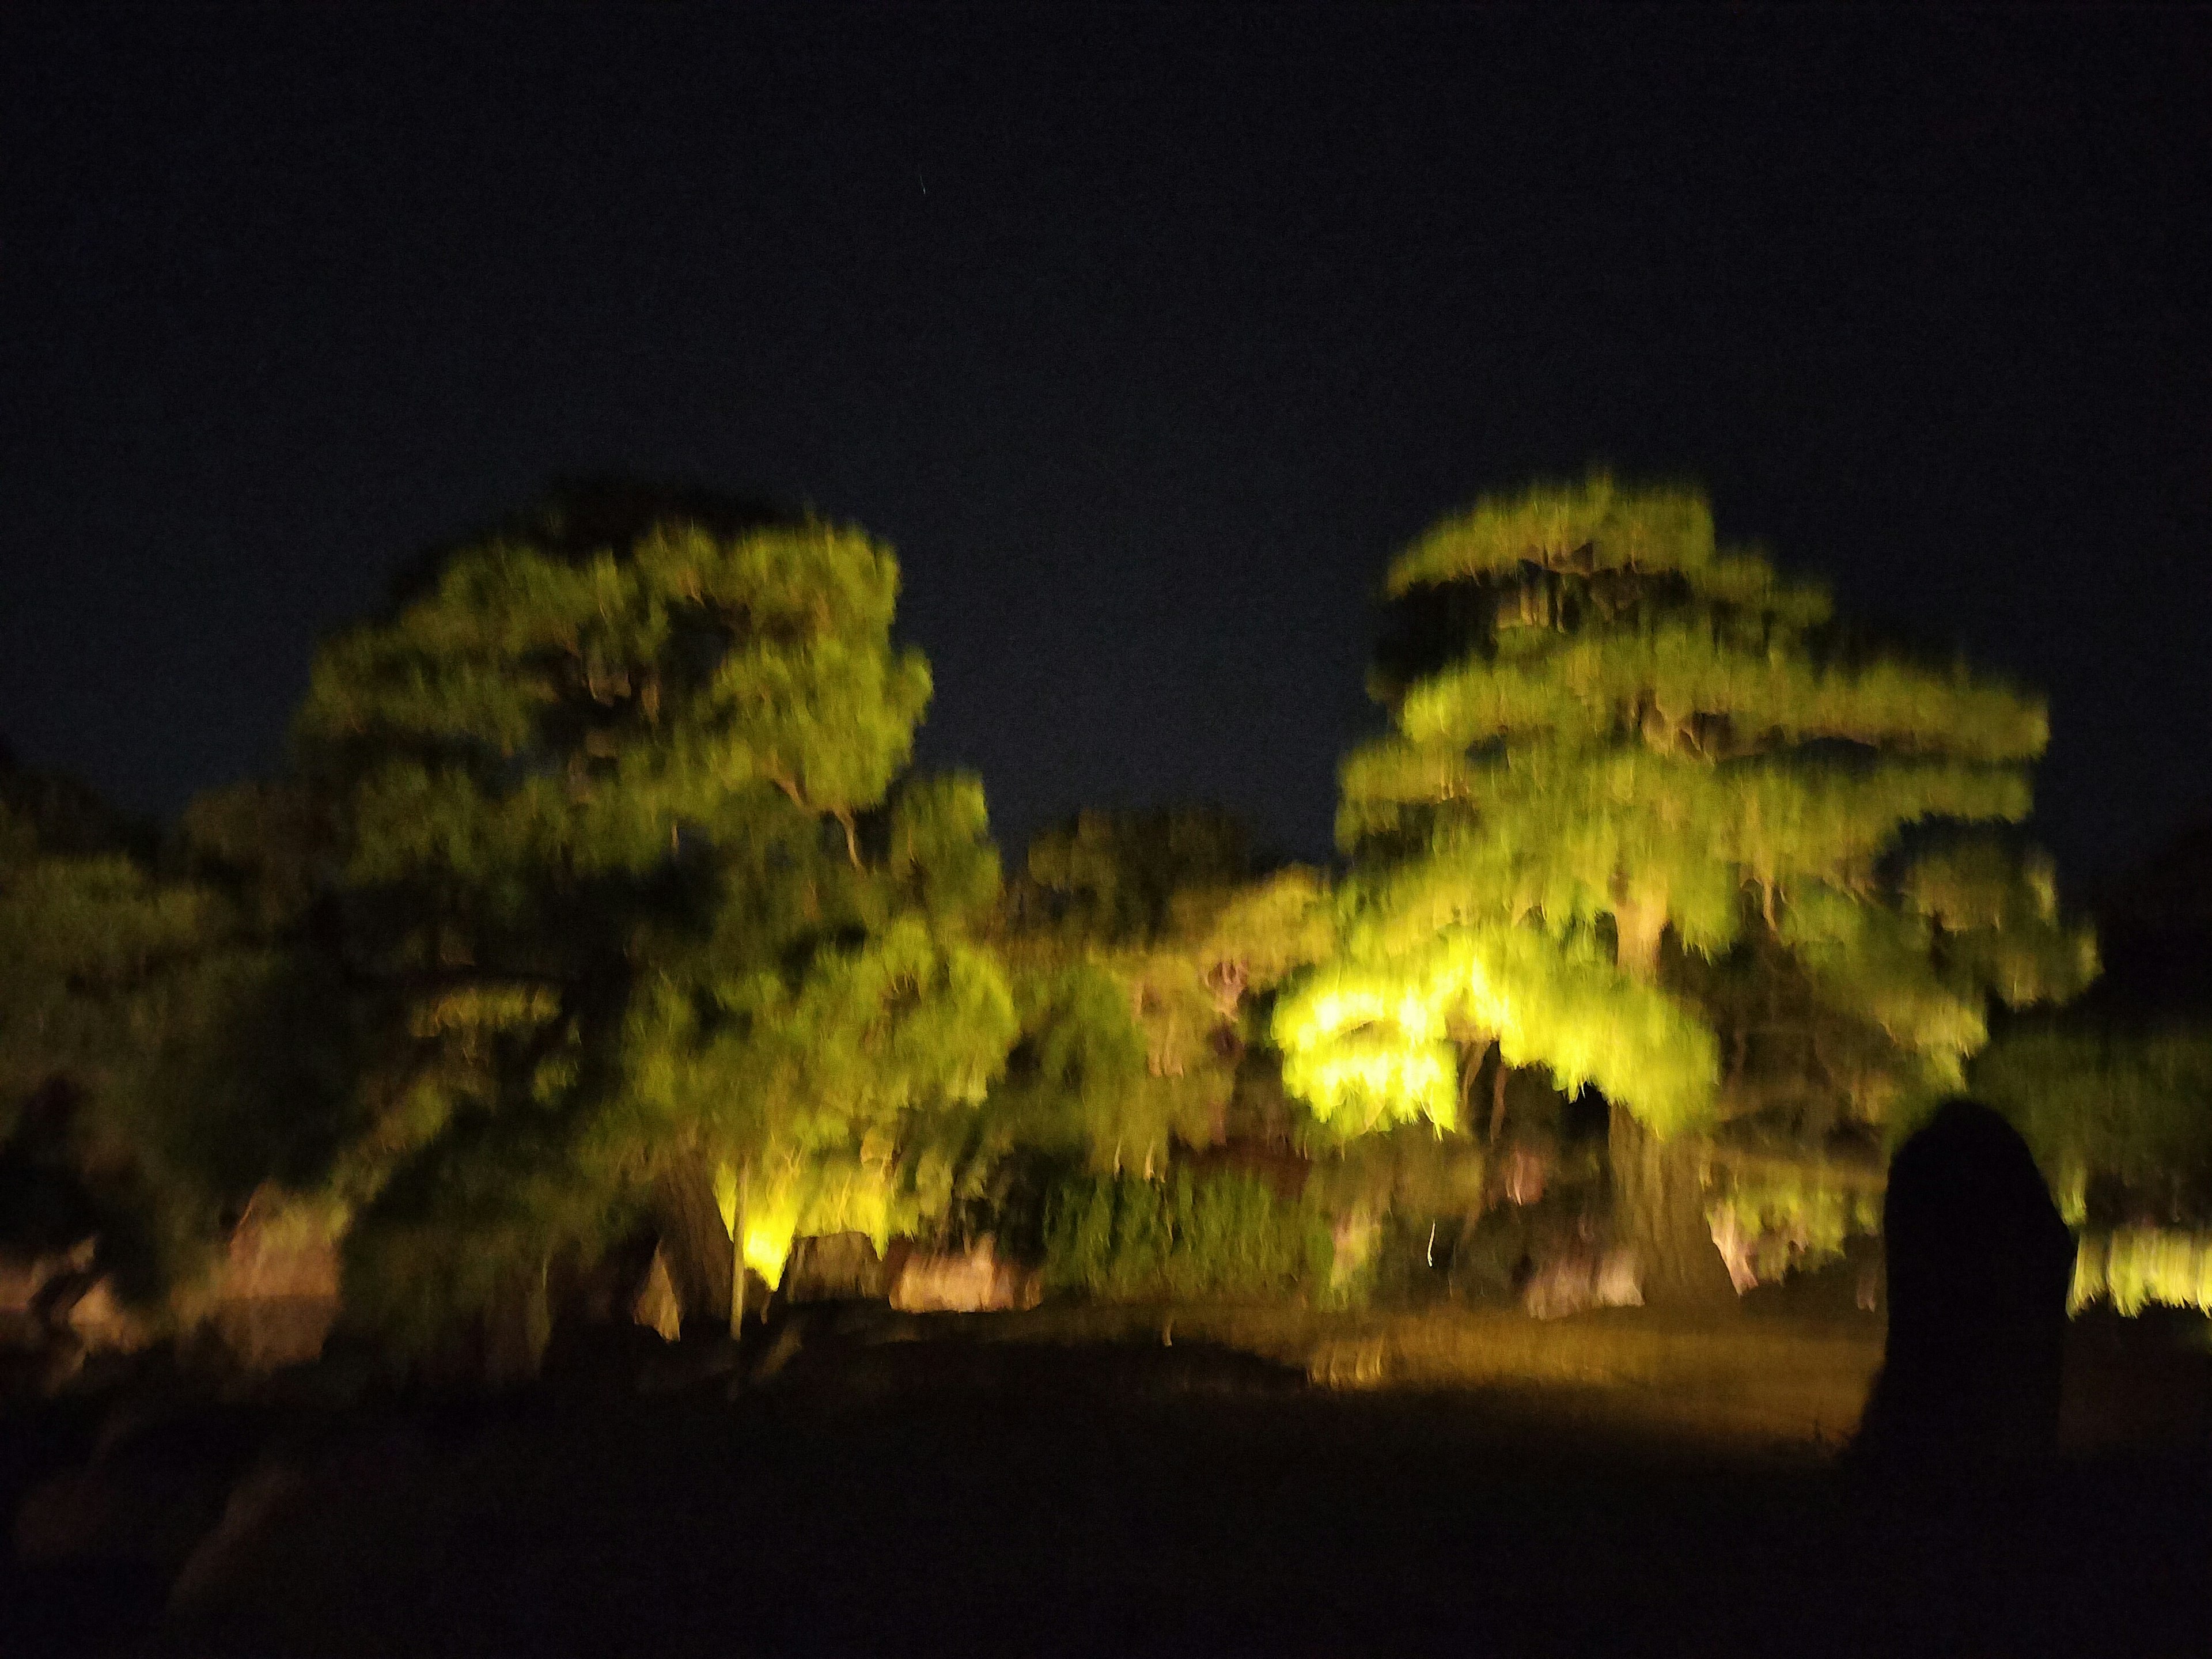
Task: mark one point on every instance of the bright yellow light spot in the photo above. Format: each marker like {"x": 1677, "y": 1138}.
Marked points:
{"x": 813, "y": 1194}
{"x": 767, "y": 1247}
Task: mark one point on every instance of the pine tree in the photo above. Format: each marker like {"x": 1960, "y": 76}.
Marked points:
{"x": 1615, "y": 743}
{"x": 629, "y": 867}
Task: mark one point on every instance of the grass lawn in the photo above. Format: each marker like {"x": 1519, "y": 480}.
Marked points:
{"x": 1208, "y": 1480}
{"x": 1746, "y": 1381}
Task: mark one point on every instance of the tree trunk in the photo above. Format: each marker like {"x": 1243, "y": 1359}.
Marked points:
{"x": 1638, "y": 922}
{"x": 516, "y": 1325}
{"x": 1659, "y": 1208}
{"x": 1658, "y": 1189}
{"x": 698, "y": 1248}
{"x": 737, "y": 1258}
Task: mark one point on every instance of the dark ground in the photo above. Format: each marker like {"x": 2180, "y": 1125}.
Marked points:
{"x": 955, "y": 1495}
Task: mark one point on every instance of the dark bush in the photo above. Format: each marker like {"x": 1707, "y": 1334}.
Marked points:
{"x": 1227, "y": 1234}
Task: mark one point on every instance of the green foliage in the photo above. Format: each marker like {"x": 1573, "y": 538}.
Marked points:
{"x": 165, "y": 1045}
{"x": 86, "y": 946}
{"x": 940, "y": 849}
{"x": 1410, "y": 1172}
{"x": 1705, "y": 687}
{"x": 888, "y": 1184}
{"x": 535, "y": 702}
{"x": 1596, "y": 526}
{"x": 2108, "y": 1103}
{"x": 1618, "y": 733}
{"x": 598, "y": 863}
{"x": 1113, "y": 878}
{"x": 449, "y": 1235}
{"x": 630, "y": 883}
{"x": 1221, "y": 1235}
{"x": 1077, "y": 1077}
{"x": 2136, "y": 1267}
{"x": 1367, "y": 1041}
{"x": 1138, "y": 940}
{"x": 1794, "y": 1218}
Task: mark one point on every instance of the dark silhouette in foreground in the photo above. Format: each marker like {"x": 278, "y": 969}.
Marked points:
{"x": 1979, "y": 1265}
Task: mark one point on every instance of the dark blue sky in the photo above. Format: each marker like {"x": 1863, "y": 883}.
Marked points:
{"x": 1145, "y": 335}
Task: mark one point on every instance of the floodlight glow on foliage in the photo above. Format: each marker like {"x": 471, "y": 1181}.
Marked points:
{"x": 1362, "y": 1041}
{"x": 1640, "y": 735}
{"x": 2139, "y": 1265}
{"x": 1370, "y": 1080}
{"x": 770, "y": 1219}
{"x": 1361, "y": 1045}
{"x": 767, "y": 1247}
{"x": 833, "y": 1191}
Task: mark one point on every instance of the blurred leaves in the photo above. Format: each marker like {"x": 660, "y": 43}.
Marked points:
{"x": 1623, "y": 757}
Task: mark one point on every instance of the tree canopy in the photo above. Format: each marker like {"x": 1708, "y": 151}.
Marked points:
{"x": 625, "y": 856}
{"x": 1138, "y": 942}
{"x": 1610, "y": 732}
{"x": 598, "y": 900}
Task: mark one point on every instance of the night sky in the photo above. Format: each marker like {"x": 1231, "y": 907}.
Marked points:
{"x": 1145, "y": 336}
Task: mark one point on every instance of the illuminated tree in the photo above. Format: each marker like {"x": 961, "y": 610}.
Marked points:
{"x": 1614, "y": 744}
{"x": 824, "y": 1067}
{"x": 1136, "y": 941}
{"x": 623, "y": 859}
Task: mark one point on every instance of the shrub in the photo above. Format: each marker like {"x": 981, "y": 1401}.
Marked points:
{"x": 1226, "y": 1235}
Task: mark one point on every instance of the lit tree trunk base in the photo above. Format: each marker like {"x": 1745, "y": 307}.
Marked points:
{"x": 1659, "y": 1210}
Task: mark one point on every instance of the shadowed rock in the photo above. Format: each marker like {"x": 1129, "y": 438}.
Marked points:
{"x": 971, "y": 1281}
{"x": 277, "y": 1291}
{"x": 1977, "y": 1264}
{"x": 838, "y": 1267}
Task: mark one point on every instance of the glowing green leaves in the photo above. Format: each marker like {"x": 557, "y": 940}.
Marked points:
{"x": 1138, "y": 937}
{"x": 1365, "y": 1048}
{"x": 1613, "y": 728}
{"x": 1592, "y": 525}
{"x": 1689, "y": 687}
{"x": 540, "y": 705}
{"x": 2139, "y": 1265}
{"x": 2131, "y": 1105}
{"x": 631, "y": 769}
{"x": 1366, "y": 1041}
